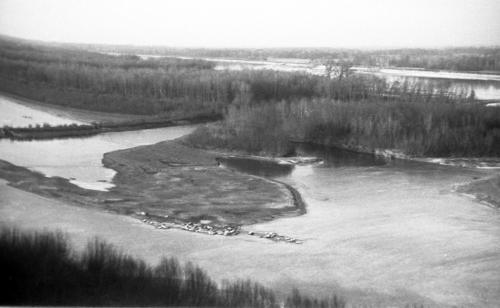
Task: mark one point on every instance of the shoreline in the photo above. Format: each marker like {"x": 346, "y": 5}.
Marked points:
{"x": 484, "y": 190}
{"x": 79, "y": 131}
{"x": 193, "y": 188}
{"x": 217, "y": 194}
{"x": 390, "y": 154}
{"x": 95, "y": 122}
{"x": 480, "y": 189}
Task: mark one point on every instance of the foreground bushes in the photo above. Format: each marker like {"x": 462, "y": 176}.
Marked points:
{"x": 422, "y": 128}
{"x": 42, "y": 269}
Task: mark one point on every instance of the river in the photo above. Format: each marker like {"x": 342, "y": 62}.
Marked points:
{"x": 375, "y": 232}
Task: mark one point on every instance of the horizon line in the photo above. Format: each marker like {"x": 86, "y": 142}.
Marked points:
{"x": 162, "y": 45}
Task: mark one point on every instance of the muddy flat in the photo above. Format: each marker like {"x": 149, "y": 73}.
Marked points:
{"x": 68, "y": 114}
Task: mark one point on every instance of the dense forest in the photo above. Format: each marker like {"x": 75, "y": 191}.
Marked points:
{"x": 437, "y": 127}
{"x": 41, "y": 268}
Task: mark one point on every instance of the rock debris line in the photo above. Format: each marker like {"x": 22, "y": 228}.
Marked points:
{"x": 166, "y": 222}
{"x": 211, "y": 229}
{"x": 276, "y": 237}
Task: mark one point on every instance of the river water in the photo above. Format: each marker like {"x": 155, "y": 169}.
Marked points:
{"x": 76, "y": 159}
{"x": 376, "y": 232}
{"x": 394, "y": 228}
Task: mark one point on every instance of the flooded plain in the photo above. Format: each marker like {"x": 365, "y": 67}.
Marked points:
{"x": 384, "y": 233}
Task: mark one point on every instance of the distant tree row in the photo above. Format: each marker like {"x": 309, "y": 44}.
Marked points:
{"x": 455, "y": 59}
{"x": 452, "y": 62}
{"x": 44, "y": 53}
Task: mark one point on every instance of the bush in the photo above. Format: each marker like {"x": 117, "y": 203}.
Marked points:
{"x": 40, "y": 268}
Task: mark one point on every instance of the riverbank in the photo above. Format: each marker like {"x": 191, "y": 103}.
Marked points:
{"x": 84, "y": 130}
{"x": 195, "y": 187}
{"x": 170, "y": 182}
{"x": 486, "y": 190}
{"x": 30, "y": 120}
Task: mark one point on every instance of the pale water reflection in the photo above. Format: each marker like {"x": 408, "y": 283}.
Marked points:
{"x": 76, "y": 159}
{"x": 16, "y": 115}
{"x": 79, "y": 159}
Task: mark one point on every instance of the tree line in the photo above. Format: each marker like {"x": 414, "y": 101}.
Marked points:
{"x": 165, "y": 86}
{"x": 455, "y": 59}
{"x": 260, "y": 106}
{"x": 437, "y": 127}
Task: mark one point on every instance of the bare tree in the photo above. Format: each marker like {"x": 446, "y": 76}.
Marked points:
{"x": 337, "y": 68}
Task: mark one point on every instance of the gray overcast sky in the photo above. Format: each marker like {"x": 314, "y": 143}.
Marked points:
{"x": 257, "y": 23}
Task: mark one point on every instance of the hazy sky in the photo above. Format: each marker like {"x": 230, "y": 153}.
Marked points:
{"x": 257, "y": 23}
